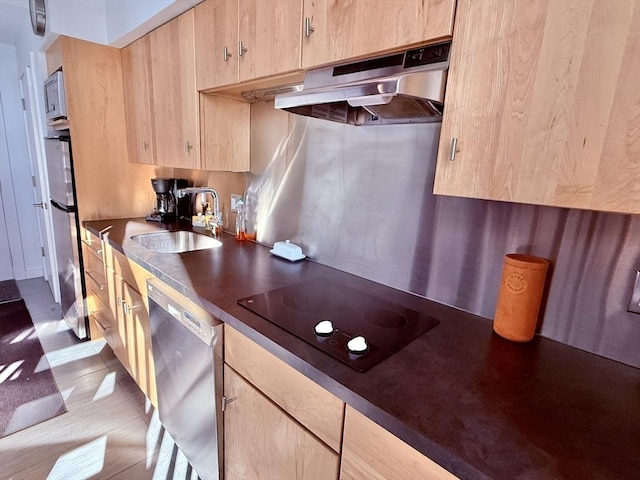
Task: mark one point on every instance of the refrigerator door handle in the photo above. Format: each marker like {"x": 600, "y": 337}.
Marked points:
{"x": 64, "y": 208}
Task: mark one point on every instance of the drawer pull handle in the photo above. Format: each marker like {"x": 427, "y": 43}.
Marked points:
{"x": 241, "y": 49}
{"x": 454, "y": 148}
{"x": 225, "y": 53}
{"x": 100, "y": 323}
{"x": 89, "y": 274}
{"x": 308, "y": 29}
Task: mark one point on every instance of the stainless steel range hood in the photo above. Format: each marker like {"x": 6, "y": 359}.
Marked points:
{"x": 406, "y": 87}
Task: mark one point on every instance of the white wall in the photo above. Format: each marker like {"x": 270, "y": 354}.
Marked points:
{"x": 85, "y": 19}
{"x": 111, "y": 22}
{"x": 129, "y": 20}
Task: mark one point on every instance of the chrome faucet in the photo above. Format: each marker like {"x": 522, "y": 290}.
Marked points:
{"x": 182, "y": 192}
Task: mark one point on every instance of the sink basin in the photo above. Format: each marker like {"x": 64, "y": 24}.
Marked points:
{"x": 175, "y": 241}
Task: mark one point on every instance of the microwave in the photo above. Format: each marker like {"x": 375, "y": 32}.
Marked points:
{"x": 54, "y": 98}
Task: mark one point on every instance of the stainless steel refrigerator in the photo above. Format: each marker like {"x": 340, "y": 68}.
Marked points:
{"x": 66, "y": 232}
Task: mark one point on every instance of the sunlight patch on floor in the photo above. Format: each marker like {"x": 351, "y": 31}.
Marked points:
{"x": 42, "y": 365}
{"x": 171, "y": 462}
{"x": 153, "y": 437}
{"x": 107, "y": 387}
{"x": 28, "y": 333}
{"x": 70, "y": 354}
{"x": 9, "y": 371}
{"x": 148, "y": 406}
{"x": 33, "y": 412}
{"x": 66, "y": 393}
{"x": 82, "y": 462}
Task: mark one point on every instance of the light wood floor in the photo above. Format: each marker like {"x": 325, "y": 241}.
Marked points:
{"x": 110, "y": 430}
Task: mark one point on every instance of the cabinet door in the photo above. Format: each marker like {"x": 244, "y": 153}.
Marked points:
{"x": 120, "y": 329}
{"x": 271, "y": 33}
{"x": 307, "y": 402}
{"x": 372, "y": 453}
{"x": 139, "y": 342}
{"x": 544, "y": 101}
{"x": 175, "y": 98}
{"x": 261, "y": 441}
{"x": 225, "y": 126}
{"x": 136, "y": 75}
{"x": 216, "y": 32}
{"x": 343, "y": 30}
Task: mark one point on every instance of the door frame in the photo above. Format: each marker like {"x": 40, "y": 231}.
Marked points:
{"x": 36, "y": 131}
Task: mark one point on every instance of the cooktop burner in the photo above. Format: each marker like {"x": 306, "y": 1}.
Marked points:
{"x": 354, "y": 327}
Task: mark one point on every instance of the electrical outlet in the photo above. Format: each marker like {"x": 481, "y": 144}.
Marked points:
{"x": 234, "y": 202}
{"x": 634, "y": 304}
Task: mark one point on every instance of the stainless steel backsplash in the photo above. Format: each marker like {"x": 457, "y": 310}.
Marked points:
{"x": 360, "y": 199}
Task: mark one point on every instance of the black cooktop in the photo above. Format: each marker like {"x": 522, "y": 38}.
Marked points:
{"x": 298, "y": 308}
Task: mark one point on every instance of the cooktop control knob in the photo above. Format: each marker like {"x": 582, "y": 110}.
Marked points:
{"x": 357, "y": 344}
{"x": 324, "y": 328}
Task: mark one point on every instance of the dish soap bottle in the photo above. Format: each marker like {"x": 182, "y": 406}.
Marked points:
{"x": 240, "y": 232}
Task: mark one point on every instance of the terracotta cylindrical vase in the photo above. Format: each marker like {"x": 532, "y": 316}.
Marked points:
{"x": 519, "y": 297}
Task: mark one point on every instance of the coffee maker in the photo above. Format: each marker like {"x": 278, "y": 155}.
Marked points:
{"x": 168, "y": 206}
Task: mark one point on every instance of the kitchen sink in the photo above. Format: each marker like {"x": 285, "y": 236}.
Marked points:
{"x": 175, "y": 241}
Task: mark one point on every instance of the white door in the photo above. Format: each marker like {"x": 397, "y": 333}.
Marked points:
{"x": 10, "y": 247}
{"x": 42, "y": 211}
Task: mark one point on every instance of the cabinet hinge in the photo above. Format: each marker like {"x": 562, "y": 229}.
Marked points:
{"x": 24, "y": 105}
{"x": 42, "y": 250}
{"x": 33, "y": 180}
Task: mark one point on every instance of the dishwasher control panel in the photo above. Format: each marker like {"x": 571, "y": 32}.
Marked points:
{"x": 192, "y": 316}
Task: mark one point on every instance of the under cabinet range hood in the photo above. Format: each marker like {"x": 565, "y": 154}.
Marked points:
{"x": 405, "y": 87}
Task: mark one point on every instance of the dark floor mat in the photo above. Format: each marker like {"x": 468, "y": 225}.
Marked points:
{"x": 27, "y": 388}
{"x": 9, "y": 291}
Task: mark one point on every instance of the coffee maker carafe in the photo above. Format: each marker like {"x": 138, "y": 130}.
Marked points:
{"x": 165, "y": 209}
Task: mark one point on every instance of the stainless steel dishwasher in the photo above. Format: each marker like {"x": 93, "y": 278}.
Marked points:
{"x": 187, "y": 354}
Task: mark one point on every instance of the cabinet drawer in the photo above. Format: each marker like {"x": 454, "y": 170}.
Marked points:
{"x": 101, "y": 316}
{"x": 95, "y": 288}
{"x": 94, "y": 268}
{"x": 372, "y": 453}
{"x": 93, "y": 243}
{"x": 310, "y": 404}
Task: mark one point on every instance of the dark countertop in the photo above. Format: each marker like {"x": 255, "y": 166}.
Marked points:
{"x": 479, "y": 405}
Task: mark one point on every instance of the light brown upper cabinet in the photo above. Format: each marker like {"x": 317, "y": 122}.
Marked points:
{"x": 95, "y": 105}
{"x": 216, "y": 24}
{"x": 543, "y": 104}
{"x": 138, "y": 98}
{"x": 339, "y": 30}
{"x": 175, "y": 97}
{"x": 242, "y": 40}
{"x": 225, "y": 125}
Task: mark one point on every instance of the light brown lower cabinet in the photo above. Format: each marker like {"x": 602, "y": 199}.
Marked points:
{"x": 139, "y": 342}
{"x": 370, "y": 452}
{"x": 262, "y": 441}
{"x": 129, "y": 330}
{"x": 117, "y": 337}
